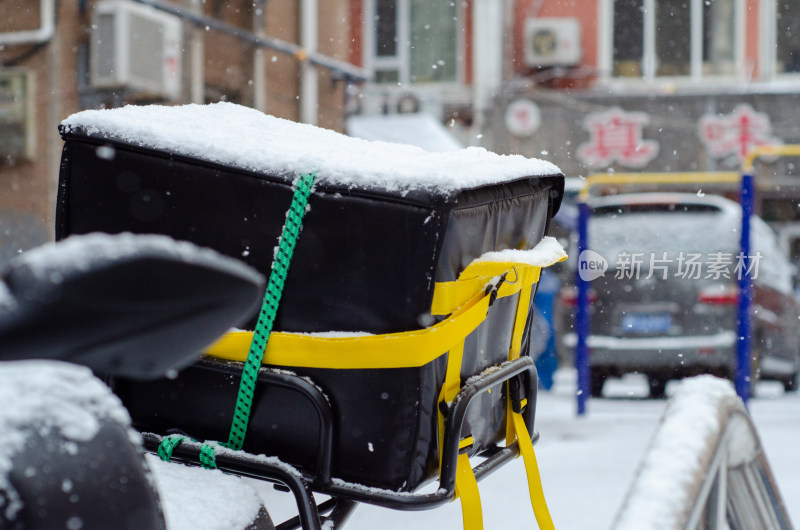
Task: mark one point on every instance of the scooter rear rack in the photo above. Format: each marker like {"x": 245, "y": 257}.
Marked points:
{"x": 522, "y": 380}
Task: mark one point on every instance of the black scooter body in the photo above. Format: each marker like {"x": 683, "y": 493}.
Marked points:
{"x": 138, "y": 306}
{"x": 128, "y": 305}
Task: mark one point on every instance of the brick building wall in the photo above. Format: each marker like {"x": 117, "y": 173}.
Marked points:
{"x": 58, "y": 72}
{"x": 28, "y": 183}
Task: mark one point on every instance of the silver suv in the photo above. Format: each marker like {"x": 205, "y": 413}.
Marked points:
{"x": 666, "y": 306}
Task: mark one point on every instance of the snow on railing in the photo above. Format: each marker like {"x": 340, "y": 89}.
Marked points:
{"x": 705, "y": 467}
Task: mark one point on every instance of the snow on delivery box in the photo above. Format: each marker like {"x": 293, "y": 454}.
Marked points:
{"x": 389, "y": 278}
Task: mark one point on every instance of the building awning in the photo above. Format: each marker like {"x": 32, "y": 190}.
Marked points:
{"x": 422, "y": 130}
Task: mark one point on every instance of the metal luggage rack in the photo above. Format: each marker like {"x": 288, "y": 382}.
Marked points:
{"x": 522, "y": 385}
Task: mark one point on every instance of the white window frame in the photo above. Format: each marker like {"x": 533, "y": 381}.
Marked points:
{"x": 768, "y": 44}
{"x": 402, "y": 61}
{"x": 605, "y": 45}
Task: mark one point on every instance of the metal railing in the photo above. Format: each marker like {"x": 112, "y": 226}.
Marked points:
{"x": 705, "y": 468}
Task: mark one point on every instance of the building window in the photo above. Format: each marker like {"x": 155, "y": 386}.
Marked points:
{"x": 675, "y": 38}
{"x": 385, "y": 28}
{"x": 413, "y": 41}
{"x": 787, "y": 33}
{"x": 628, "y": 38}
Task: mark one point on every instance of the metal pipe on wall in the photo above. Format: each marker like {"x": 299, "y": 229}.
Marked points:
{"x": 196, "y": 58}
{"x": 259, "y": 57}
{"x": 487, "y": 59}
{"x": 309, "y": 77}
{"x": 346, "y": 69}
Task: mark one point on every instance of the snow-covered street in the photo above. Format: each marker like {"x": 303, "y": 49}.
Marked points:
{"x": 250, "y": 249}
{"x": 587, "y": 464}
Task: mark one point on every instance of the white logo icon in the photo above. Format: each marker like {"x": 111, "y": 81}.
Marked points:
{"x": 591, "y": 265}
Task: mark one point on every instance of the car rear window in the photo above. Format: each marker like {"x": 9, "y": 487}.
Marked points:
{"x": 657, "y": 231}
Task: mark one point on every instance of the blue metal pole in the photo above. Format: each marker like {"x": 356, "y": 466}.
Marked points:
{"x": 743, "y": 327}
{"x": 582, "y": 313}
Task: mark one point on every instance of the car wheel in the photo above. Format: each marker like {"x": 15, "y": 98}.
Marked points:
{"x": 597, "y": 381}
{"x": 658, "y": 386}
{"x": 790, "y": 384}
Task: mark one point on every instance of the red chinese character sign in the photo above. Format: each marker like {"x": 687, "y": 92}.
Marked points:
{"x": 616, "y": 136}
{"x": 734, "y": 135}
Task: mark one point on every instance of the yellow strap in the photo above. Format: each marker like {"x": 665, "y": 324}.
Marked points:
{"x": 464, "y": 300}
{"x": 467, "y": 490}
{"x": 467, "y": 486}
{"x": 515, "y": 427}
{"x": 452, "y": 378}
{"x": 532, "y": 469}
{"x": 447, "y": 296}
{"x": 450, "y": 388}
{"x": 521, "y": 318}
{"x": 394, "y": 350}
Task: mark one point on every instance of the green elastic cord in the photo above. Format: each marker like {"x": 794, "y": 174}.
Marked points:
{"x": 207, "y": 458}
{"x": 280, "y": 266}
{"x": 167, "y": 445}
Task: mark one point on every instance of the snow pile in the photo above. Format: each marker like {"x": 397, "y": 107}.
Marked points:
{"x": 47, "y": 396}
{"x": 194, "y": 498}
{"x": 54, "y": 261}
{"x": 669, "y": 478}
{"x": 547, "y": 252}
{"x": 420, "y": 129}
{"x": 240, "y": 137}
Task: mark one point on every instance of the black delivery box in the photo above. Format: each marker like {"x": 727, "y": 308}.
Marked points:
{"x": 385, "y": 224}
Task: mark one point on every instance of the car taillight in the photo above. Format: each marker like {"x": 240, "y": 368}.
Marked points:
{"x": 569, "y": 296}
{"x": 719, "y": 295}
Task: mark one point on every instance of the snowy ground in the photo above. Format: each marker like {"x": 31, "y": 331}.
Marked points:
{"x": 587, "y": 464}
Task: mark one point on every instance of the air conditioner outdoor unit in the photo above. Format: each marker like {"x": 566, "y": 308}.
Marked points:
{"x": 136, "y": 47}
{"x": 17, "y": 134}
{"x": 552, "y": 42}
